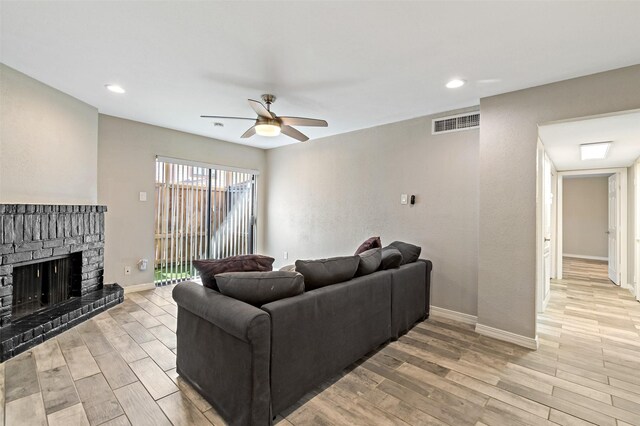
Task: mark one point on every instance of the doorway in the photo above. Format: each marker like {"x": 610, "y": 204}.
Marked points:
{"x": 605, "y": 210}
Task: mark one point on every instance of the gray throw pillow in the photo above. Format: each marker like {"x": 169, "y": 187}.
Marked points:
{"x": 324, "y": 272}
{"x": 391, "y": 258}
{"x": 259, "y": 288}
{"x": 410, "y": 253}
{"x": 369, "y": 261}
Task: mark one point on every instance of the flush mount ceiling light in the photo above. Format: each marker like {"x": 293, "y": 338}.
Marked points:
{"x": 455, "y": 83}
{"x": 594, "y": 151}
{"x": 114, "y": 88}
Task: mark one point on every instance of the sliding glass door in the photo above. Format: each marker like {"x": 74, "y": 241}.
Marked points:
{"x": 201, "y": 212}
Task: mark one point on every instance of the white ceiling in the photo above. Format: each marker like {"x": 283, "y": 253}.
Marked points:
{"x": 562, "y": 141}
{"x": 356, "y": 64}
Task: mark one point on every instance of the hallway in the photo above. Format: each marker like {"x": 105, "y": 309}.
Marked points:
{"x": 592, "y": 328}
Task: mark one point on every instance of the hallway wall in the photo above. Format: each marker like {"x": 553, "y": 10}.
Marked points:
{"x": 585, "y": 216}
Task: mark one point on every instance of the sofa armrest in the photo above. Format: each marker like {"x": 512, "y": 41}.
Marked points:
{"x": 233, "y": 316}
{"x": 224, "y": 350}
{"x": 428, "y": 283}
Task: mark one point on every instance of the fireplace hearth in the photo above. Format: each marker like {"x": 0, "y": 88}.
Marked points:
{"x": 51, "y": 272}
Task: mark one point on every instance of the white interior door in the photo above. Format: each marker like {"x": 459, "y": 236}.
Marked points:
{"x": 613, "y": 229}
{"x": 547, "y": 226}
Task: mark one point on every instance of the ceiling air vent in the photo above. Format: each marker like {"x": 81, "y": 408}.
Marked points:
{"x": 454, "y": 123}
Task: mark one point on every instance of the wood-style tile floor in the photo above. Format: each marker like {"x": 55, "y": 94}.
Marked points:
{"x": 119, "y": 369}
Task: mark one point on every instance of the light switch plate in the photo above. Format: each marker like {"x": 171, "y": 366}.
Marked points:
{"x": 143, "y": 196}
{"x": 403, "y": 198}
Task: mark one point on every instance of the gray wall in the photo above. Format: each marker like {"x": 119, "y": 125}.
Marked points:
{"x": 507, "y": 220}
{"x": 48, "y": 144}
{"x": 127, "y": 152}
{"x": 585, "y": 216}
{"x": 328, "y": 195}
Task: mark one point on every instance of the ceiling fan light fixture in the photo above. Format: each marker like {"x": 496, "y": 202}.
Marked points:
{"x": 268, "y": 129}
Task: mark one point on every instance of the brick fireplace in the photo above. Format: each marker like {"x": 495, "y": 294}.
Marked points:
{"x": 52, "y": 234}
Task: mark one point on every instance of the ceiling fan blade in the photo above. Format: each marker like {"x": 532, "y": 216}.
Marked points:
{"x": 249, "y": 133}
{"x": 260, "y": 109}
{"x": 293, "y": 133}
{"x": 301, "y": 121}
{"x": 223, "y": 117}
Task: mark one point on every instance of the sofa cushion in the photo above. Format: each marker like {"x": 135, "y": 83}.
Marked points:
{"x": 369, "y": 261}
{"x": 258, "y": 288}
{"x": 322, "y": 272}
{"x": 410, "y": 253}
{"x": 209, "y": 268}
{"x": 370, "y": 243}
{"x": 391, "y": 258}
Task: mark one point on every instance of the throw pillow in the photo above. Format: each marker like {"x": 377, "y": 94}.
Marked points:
{"x": 370, "y": 243}
{"x": 209, "y": 268}
{"x": 324, "y": 272}
{"x": 410, "y": 253}
{"x": 259, "y": 288}
{"x": 391, "y": 258}
{"x": 289, "y": 268}
{"x": 369, "y": 262}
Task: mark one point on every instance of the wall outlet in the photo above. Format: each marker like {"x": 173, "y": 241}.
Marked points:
{"x": 286, "y": 255}
{"x": 143, "y": 196}
{"x": 127, "y": 270}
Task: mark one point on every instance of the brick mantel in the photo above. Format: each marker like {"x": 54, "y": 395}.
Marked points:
{"x": 36, "y": 231}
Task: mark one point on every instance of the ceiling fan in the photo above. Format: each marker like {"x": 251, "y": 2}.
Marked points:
{"x": 269, "y": 124}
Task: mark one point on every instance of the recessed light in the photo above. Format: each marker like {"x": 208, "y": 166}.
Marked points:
{"x": 114, "y": 88}
{"x": 455, "y": 83}
{"x": 594, "y": 151}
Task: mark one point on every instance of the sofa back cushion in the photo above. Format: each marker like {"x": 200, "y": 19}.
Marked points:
{"x": 391, "y": 258}
{"x": 369, "y": 243}
{"x": 369, "y": 262}
{"x": 410, "y": 252}
{"x": 323, "y": 272}
{"x": 209, "y": 268}
{"x": 258, "y": 288}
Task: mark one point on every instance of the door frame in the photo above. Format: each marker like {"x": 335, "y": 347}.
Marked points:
{"x": 636, "y": 246}
{"x": 541, "y": 156}
{"x": 622, "y": 231}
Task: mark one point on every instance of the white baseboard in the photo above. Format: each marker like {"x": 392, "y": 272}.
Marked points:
{"x": 507, "y": 336}
{"x": 453, "y": 315}
{"x": 631, "y": 287}
{"x": 138, "y": 287}
{"x": 581, "y": 256}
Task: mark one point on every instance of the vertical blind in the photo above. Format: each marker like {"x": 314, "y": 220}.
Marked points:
{"x": 201, "y": 212}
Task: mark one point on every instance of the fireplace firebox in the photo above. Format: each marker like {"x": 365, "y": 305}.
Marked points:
{"x": 39, "y": 285}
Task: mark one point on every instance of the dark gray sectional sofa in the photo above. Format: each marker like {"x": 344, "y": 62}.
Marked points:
{"x": 251, "y": 363}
